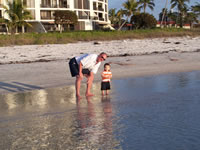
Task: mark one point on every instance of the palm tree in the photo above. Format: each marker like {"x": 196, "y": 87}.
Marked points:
{"x": 143, "y": 4}
{"x": 196, "y": 8}
{"x": 130, "y": 8}
{"x": 190, "y": 18}
{"x": 17, "y": 16}
{"x": 181, "y": 6}
{"x": 164, "y": 13}
{"x": 163, "y": 16}
{"x": 112, "y": 15}
{"x": 120, "y": 15}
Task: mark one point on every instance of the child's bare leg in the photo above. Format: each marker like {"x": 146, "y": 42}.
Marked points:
{"x": 107, "y": 92}
{"x": 102, "y": 92}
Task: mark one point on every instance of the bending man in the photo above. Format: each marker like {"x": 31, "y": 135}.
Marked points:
{"x": 85, "y": 65}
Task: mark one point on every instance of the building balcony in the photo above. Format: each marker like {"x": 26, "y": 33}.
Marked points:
{"x": 100, "y": 9}
{"x": 48, "y": 6}
{"x": 47, "y": 17}
{"x": 101, "y": 19}
{"x": 83, "y": 17}
{"x": 63, "y": 6}
{"x": 94, "y": 18}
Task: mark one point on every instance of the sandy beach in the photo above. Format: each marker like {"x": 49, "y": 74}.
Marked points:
{"x": 44, "y": 66}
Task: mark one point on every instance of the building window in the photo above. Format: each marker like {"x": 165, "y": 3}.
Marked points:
{"x": 101, "y": 17}
{"x": 83, "y": 14}
{"x": 32, "y": 14}
{"x": 49, "y": 3}
{"x": 63, "y": 4}
{"x": 106, "y": 8}
{"x": 80, "y": 25}
{"x": 94, "y": 6}
{"x": 82, "y": 4}
{"x": 29, "y": 3}
{"x": 78, "y": 4}
{"x": 100, "y": 7}
{"x": 47, "y": 15}
{"x": 86, "y": 4}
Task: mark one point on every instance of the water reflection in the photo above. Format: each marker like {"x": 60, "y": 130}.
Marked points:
{"x": 158, "y": 112}
{"x": 54, "y": 119}
{"x": 94, "y": 121}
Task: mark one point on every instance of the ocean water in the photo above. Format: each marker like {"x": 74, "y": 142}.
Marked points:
{"x": 147, "y": 113}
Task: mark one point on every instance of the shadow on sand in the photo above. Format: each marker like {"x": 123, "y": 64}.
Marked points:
{"x": 17, "y": 87}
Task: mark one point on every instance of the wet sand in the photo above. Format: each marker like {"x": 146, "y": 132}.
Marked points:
{"x": 23, "y": 77}
{"x": 33, "y": 67}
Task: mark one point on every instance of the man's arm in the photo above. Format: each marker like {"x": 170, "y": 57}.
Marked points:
{"x": 80, "y": 70}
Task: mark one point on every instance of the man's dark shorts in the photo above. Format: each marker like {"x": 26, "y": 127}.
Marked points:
{"x": 74, "y": 68}
{"x": 105, "y": 85}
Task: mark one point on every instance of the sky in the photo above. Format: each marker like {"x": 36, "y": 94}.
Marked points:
{"x": 159, "y": 4}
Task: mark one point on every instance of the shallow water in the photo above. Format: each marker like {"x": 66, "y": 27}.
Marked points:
{"x": 147, "y": 113}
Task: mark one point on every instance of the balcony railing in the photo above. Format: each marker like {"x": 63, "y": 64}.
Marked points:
{"x": 94, "y": 18}
{"x": 54, "y": 6}
{"x": 101, "y": 19}
{"x": 100, "y": 9}
{"x": 63, "y": 6}
{"x": 47, "y": 17}
{"x": 48, "y": 6}
{"x": 83, "y": 17}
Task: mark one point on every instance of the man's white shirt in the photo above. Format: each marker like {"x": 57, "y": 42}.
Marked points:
{"x": 89, "y": 61}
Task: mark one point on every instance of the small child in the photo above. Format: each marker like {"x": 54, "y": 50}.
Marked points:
{"x": 106, "y": 76}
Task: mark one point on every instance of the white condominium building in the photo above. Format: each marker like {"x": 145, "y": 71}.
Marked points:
{"x": 92, "y": 14}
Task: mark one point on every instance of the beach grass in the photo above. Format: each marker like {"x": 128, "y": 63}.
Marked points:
{"x": 76, "y": 36}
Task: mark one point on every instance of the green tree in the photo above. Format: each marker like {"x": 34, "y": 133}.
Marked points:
{"x": 182, "y": 8}
{"x": 173, "y": 16}
{"x": 196, "y": 8}
{"x": 65, "y": 18}
{"x": 143, "y": 4}
{"x": 17, "y": 16}
{"x": 191, "y": 18}
{"x": 130, "y": 7}
{"x": 163, "y": 15}
{"x": 120, "y": 15}
{"x": 112, "y": 15}
{"x": 143, "y": 21}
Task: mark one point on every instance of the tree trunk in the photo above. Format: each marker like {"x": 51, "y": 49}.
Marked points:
{"x": 181, "y": 20}
{"x": 164, "y": 13}
{"x": 123, "y": 24}
{"x": 61, "y": 27}
{"x": 7, "y": 29}
{"x": 23, "y": 30}
{"x": 16, "y": 29}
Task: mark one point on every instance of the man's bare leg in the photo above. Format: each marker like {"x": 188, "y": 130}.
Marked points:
{"x": 78, "y": 86}
{"x": 89, "y": 85}
{"x": 102, "y": 92}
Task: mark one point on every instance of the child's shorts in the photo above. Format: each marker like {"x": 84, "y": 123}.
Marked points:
{"x": 74, "y": 68}
{"x": 105, "y": 86}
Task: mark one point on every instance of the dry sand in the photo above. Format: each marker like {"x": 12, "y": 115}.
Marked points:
{"x": 43, "y": 66}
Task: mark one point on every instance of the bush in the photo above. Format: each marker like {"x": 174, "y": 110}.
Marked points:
{"x": 143, "y": 21}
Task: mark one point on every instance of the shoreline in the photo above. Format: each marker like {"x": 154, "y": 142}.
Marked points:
{"x": 137, "y": 58}
{"x": 42, "y": 75}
